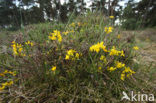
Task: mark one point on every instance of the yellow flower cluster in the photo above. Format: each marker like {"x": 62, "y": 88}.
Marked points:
{"x": 65, "y": 33}
{"x": 17, "y": 49}
{"x": 126, "y": 72}
{"x": 29, "y": 43}
{"x": 72, "y": 54}
{"x": 79, "y": 24}
{"x": 111, "y": 68}
{"x": 3, "y": 85}
{"x": 108, "y": 29}
{"x": 119, "y": 64}
{"x": 97, "y": 47}
{"x": 111, "y": 17}
{"x": 53, "y": 68}
{"x": 103, "y": 58}
{"x": 113, "y": 51}
{"x": 56, "y": 35}
{"x": 72, "y": 25}
{"x": 136, "y": 48}
{"x": 8, "y": 72}
{"x": 99, "y": 68}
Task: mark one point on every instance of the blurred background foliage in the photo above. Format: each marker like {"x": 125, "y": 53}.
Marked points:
{"x": 15, "y": 14}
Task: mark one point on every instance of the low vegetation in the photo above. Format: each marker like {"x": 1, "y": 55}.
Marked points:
{"x": 85, "y": 60}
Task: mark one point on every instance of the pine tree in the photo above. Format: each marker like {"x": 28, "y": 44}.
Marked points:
{"x": 8, "y": 16}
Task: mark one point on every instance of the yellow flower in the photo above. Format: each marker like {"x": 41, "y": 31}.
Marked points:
{"x": 113, "y": 51}
{"x": 128, "y": 75}
{"x": 52, "y": 37}
{"x": 122, "y": 76}
{"x": 94, "y": 48}
{"x": 99, "y": 68}
{"x": 19, "y": 45}
{"x": 32, "y": 44}
{"x": 65, "y": 33}
{"x": 12, "y": 73}
{"x": 1, "y": 74}
{"x": 72, "y": 54}
{"x": 23, "y": 54}
{"x": 136, "y": 48}
{"x": 77, "y": 55}
{"x": 56, "y": 35}
{"x": 119, "y": 64}
{"x": 104, "y": 48}
{"x": 14, "y": 47}
{"x": 13, "y": 42}
{"x": 67, "y": 57}
{"x": 2, "y": 88}
{"x": 6, "y": 71}
{"x": 29, "y": 43}
{"x": 118, "y": 36}
{"x": 53, "y": 68}
{"x": 108, "y": 29}
{"x": 103, "y": 58}
{"x": 10, "y": 83}
{"x": 59, "y": 38}
{"x": 5, "y": 84}
{"x": 112, "y": 17}
{"x": 72, "y": 31}
{"x": 17, "y": 48}
{"x": 20, "y": 50}
{"x": 97, "y": 47}
{"x": 122, "y": 53}
{"x": 111, "y": 69}
{"x": 72, "y": 24}
{"x": 127, "y": 71}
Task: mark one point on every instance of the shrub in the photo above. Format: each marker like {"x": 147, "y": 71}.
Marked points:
{"x": 85, "y": 61}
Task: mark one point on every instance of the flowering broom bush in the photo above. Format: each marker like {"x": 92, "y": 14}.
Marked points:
{"x": 84, "y": 61}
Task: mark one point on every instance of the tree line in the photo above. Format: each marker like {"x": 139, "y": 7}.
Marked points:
{"x": 16, "y": 13}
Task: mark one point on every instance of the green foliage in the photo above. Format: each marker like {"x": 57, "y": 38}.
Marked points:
{"x": 7, "y": 13}
{"x": 130, "y": 19}
{"x": 131, "y": 24}
{"x": 139, "y": 15}
{"x": 25, "y": 12}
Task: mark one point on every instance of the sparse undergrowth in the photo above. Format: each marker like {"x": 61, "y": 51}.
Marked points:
{"x": 83, "y": 61}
